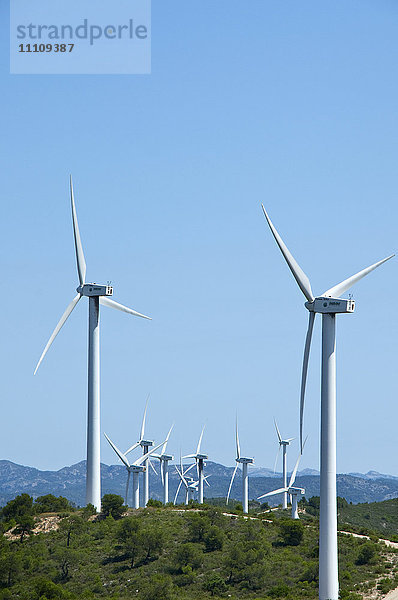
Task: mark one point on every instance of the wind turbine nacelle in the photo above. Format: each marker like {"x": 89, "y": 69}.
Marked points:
{"x": 332, "y": 305}
{"x": 296, "y": 491}
{"x": 201, "y": 457}
{"x": 248, "y": 461}
{"x": 92, "y": 289}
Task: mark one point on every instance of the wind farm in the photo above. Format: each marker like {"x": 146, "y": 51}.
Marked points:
{"x": 229, "y": 430}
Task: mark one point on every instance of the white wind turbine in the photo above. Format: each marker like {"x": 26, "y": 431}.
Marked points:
{"x": 199, "y": 458}
{"x": 283, "y": 444}
{"x": 97, "y": 294}
{"x": 164, "y": 467}
{"x": 145, "y": 445}
{"x": 289, "y": 489}
{"x": 245, "y": 478}
{"x": 328, "y": 304}
{"x": 184, "y": 481}
{"x": 135, "y": 468}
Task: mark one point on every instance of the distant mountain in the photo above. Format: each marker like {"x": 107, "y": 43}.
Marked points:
{"x": 373, "y": 475}
{"x": 70, "y": 482}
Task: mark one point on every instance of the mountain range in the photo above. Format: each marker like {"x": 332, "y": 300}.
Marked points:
{"x": 70, "y": 482}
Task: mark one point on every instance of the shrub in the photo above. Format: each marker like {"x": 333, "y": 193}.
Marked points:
{"x": 188, "y": 555}
{"x": 158, "y": 587}
{"x": 154, "y": 503}
{"x": 215, "y": 585}
{"x": 366, "y": 553}
{"x": 213, "y": 539}
{"x": 292, "y": 531}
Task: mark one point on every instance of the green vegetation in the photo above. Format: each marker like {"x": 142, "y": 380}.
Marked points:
{"x": 181, "y": 553}
{"x": 379, "y": 518}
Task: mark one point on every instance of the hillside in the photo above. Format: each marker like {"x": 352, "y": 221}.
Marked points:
{"x": 70, "y": 482}
{"x": 170, "y": 553}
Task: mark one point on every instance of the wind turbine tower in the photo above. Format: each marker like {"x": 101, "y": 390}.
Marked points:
{"x": 97, "y": 294}
{"x": 164, "y": 460}
{"x": 199, "y": 458}
{"x": 245, "y": 478}
{"x": 283, "y": 444}
{"x": 145, "y": 445}
{"x": 290, "y": 489}
{"x": 329, "y": 304}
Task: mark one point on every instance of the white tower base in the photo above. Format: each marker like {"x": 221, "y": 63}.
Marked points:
{"x": 93, "y": 476}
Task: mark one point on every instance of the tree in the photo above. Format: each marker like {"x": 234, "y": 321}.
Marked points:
{"x": 215, "y": 584}
{"x": 213, "y": 539}
{"x": 129, "y": 534}
{"x": 292, "y": 531}
{"x": 152, "y": 541}
{"x": 51, "y": 503}
{"x": 25, "y": 526}
{"x": 112, "y": 505}
{"x": 158, "y": 587}
{"x": 10, "y": 567}
{"x": 73, "y": 524}
{"x": 21, "y": 505}
{"x": 198, "y": 526}
{"x": 187, "y": 555}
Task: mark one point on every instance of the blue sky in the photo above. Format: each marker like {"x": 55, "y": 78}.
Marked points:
{"x": 290, "y": 104}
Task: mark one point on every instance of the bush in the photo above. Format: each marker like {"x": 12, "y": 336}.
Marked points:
{"x": 366, "y": 553}
{"x": 158, "y": 587}
{"x": 188, "y": 555}
{"x": 215, "y": 585}
{"x": 154, "y": 503}
{"x": 292, "y": 531}
{"x": 213, "y": 539}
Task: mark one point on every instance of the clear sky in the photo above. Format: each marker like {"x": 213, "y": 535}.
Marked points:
{"x": 293, "y": 104}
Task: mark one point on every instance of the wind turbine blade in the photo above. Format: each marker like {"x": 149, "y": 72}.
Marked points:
{"x": 278, "y": 433}
{"x": 142, "y": 432}
{"x": 294, "y": 472}
{"x": 231, "y": 482}
{"x": 189, "y": 468}
{"x": 166, "y": 440}
{"x": 205, "y": 480}
{"x": 298, "y": 273}
{"x": 342, "y": 287}
{"x": 152, "y": 467}
{"x": 143, "y": 458}
{"x": 178, "y": 489}
{"x": 189, "y": 456}
{"x": 133, "y": 447}
{"x": 289, "y": 439}
{"x": 237, "y": 440}
{"x": 81, "y": 263}
{"x": 274, "y": 493}
{"x": 200, "y": 440}
{"x": 106, "y": 301}
{"x": 276, "y": 458}
{"x": 181, "y": 474}
{"x": 306, "y": 357}
{"x": 58, "y": 328}
{"x": 161, "y": 472}
{"x": 118, "y": 452}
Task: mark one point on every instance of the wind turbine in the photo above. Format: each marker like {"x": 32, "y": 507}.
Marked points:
{"x": 245, "y": 478}
{"x": 97, "y": 294}
{"x": 164, "y": 467}
{"x": 145, "y": 445}
{"x": 293, "y": 491}
{"x": 328, "y": 304}
{"x": 199, "y": 458}
{"x": 184, "y": 481}
{"x": 283, "y": 444}
{"x": 136, "y": 468}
